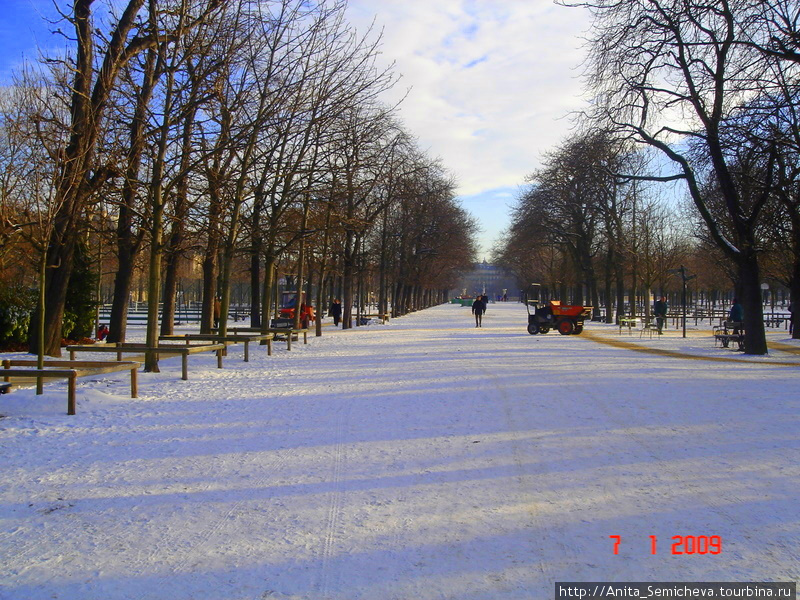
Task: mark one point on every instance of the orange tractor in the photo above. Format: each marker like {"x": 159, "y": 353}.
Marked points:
{"x": 542, "y": 317}
{"x": 288, "y": 305}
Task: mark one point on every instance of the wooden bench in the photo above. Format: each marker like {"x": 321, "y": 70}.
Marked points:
{"x": 629, "y": 323}
{"x": 277, "y": 333}
{"x": 773, "y": 321}
{"x": 69, "y": 370}
{"x": 183, "y": 351}
{"x": 244, "y": 338}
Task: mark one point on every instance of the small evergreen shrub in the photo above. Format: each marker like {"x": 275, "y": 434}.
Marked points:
{"x": 17, "y": 303}
{"x": 80, "y": 307}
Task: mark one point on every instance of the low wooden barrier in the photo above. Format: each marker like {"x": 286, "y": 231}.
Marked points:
{"x": 182, "y": 351}
{"x": 244, "y": 338}
{"x": 69, "y": 370}
{"x": 275, "y": 332}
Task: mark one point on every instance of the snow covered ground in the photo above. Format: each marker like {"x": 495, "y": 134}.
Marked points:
{"x": 422, "y": 459}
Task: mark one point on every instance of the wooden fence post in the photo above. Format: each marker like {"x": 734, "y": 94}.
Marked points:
{"x": 71, "y": 383}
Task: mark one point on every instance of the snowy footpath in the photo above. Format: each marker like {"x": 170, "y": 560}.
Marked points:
{"x": 422, "y": 459}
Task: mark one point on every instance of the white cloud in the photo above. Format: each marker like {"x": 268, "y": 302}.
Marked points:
{"x": 492, "y": 80}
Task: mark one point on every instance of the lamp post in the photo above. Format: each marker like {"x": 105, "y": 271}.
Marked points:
{"x": 684, "y": 278}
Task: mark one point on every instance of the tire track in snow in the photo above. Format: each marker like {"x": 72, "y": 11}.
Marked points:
{"x": 202, "y": 539}
{"x": 549, "y": 531}
{"x": 335, "y": 501}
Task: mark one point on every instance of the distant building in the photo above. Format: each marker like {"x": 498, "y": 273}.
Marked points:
{"x": 489, "y": 279}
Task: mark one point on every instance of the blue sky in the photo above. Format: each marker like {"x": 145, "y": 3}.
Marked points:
{"x": 491, "y": 82}
{"x": 22, "y": 30}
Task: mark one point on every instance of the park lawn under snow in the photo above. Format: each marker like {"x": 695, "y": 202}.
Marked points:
{"x": 422, "y": 459}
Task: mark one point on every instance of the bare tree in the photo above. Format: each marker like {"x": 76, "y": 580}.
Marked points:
{"x": 96, "y": 66}
{"x": 129, "y": 229}
{"x": 27, "y": 189}
{"x": 565, "y": 202}
{"x": 331, "y": 72}
{"x": 668, "y": 74}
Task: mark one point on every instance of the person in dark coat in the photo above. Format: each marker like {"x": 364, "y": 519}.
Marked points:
{"x": 660, "y": 309}
{"x": 736, "y": 316}
{"x": 478, "y": 308}
{"x": 336, "y": 311}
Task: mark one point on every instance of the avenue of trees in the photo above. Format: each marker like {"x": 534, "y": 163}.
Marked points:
{"x": 243, "y": 136}
{"x": 692, "y": 96}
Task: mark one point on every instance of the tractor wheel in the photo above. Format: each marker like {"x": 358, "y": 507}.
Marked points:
{"x": 565, "y": 326}
{"x": 533, "y": 328}
{"x": 578, "y": 329}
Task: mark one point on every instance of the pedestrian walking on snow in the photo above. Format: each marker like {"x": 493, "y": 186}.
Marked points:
{"x": 217, "y": 311}
{"x": 478, "y": 308}
{"x": 336, "y": 311}
{"x": 660, "y": 309}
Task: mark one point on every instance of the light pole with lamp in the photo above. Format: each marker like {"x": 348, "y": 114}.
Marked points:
{"x": 684, "y": 278}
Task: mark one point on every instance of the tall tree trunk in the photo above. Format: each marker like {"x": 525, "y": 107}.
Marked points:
{"x": 123, "y": 283}
{"x": 227, "y": 264}
{"x": 269, "y": 284}
{"x": 383, "y": 299}
{"x": 794, "y": 280}
{"x": 153, "y": 292}
{"x": 398, "y": 286}
{"x": 40, "y": 320}
{"x": 210, "y": 273}
{"x": 177, "y": 231}
{"x": 59, "y": 258}
{"x": 170, "y": 291}
{"x": 620, "y": 281}
{"x": 255, "y": 270}
{"x": 322, "y": 264}
{"x": 755, "y": 339}
{"x": 211, "y": 265}
{"x": 157, "y": 238}
{"x": 300, "y": 299}
{"x": 87, "y": 107}
{"x": 348, "y": 268}
{"x": 156, "y": 255}
{"x": 607, "y": 290}
{"x": 129, "y": 244}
